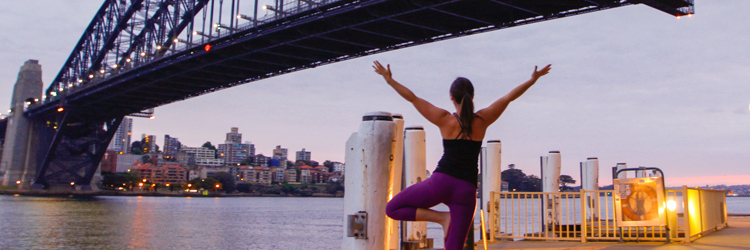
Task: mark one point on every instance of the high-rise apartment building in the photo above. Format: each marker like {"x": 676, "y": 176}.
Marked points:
{"x": 121, "y": 141}
{"x": 234, "y": 136}
{"x": 234, "y": 153}
{"x": 302, "y": 155}
{"x": 149, "y": 143}
{"x": 279, "y": 153}
{"x": 171, "y": 147}
{"x": 251, "y": 151}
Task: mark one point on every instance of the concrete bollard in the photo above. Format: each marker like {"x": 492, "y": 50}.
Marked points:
{"x": 491, "y": 181}
{"x": 551, "y": 165}
{"x": 396, "y": 180}
{"x": 415, "y": 171}
{"x": 369, "y": 156}
{"x": 590, "y": 182}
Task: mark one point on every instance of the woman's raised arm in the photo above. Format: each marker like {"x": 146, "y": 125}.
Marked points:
{"x": 492, "y": 112}
{"x": 433, "y": 114}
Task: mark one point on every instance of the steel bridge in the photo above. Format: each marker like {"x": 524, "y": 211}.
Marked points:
{"x": 140, "y": 54}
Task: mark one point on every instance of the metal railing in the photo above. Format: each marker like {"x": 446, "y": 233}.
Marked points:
{"x": 590, "y": 216}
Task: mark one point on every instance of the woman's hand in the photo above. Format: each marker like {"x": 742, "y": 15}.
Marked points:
{"x": 540, "y": 73}
{"x": 383, "y": 71}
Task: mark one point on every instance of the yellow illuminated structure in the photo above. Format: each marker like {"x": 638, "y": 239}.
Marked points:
{"x": 640, "y": 202}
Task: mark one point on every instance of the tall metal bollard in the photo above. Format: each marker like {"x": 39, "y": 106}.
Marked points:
{"x": 491, "y": 182}
{"x": 369, "y": 155}
{"x": 551, "y": 184}
{"x": 590, "y": 182}
{"x": 415, "y": 171}
{"x": 396, "y": 181}
{"x": 623, "y": 175}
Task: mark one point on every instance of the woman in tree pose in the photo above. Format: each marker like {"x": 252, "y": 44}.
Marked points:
{"x": 454, "y": 181}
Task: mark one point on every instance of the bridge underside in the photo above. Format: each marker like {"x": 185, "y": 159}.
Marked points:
{"x": 338, "y": 31}
{"x": 80, "y": 122}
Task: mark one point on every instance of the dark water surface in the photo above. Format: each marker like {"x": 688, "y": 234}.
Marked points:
{"x": 187, "y": 223}
{"x": 170, "y": 223}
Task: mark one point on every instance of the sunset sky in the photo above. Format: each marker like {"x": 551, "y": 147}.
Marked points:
{"x": 629, "y": 84}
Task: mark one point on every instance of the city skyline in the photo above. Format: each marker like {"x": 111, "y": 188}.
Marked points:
{"x": 630, "y": 84}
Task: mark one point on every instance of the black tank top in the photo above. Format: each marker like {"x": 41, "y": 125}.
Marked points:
{"x": 460, "y": 157}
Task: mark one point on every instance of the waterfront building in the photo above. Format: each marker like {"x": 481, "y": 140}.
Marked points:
{"x": 171, "y": 147}
{"x": 339, "y": 167}
{"x": 321, "y": 168}
{"x": 335, "y": 176}
{"x": 302, "y": 155}
{"x": 209, "y": 162}
{"x": 121, "y": 141}
{"x": 125, "y": 162}
{"x": 233, "y": 153}
{"x": 318, "y": 177}
{"x": 290, "y": 176}
{"x": 304, "y": 174}
{"x": 261, "y": 160}
{"x": 109, "y": 162}
{"x": 169, "y": 173}
{"x": 277, "y": 174}
{"x": 200, "y": 152}
{"x": 259, "y": 175}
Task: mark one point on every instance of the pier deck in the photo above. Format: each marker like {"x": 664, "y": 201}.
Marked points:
{"x": 735, "y": 236}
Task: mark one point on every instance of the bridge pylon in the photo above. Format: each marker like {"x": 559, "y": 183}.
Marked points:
{"x": 19, "y": 153}
{"x": 61, "y": 151}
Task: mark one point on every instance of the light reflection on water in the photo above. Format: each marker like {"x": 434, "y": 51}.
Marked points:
{"x": 187, "y": 223}
{"x": 170, "y": 223}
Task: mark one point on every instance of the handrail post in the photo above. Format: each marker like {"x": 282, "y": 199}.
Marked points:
{"x": 584, "y": 218}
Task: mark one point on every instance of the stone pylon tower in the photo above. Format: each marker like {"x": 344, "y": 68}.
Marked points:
{"x": 19, "y": 158}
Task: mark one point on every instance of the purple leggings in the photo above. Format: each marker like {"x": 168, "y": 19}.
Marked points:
{"x": 459, "y": 195}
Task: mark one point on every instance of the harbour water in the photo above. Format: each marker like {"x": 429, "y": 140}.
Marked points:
{"x": 186, "y": 223}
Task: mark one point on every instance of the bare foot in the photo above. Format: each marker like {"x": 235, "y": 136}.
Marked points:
{"x": 445, "y": 222}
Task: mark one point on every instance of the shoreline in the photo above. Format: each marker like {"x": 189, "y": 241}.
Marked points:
{"x": 77, "y": 193}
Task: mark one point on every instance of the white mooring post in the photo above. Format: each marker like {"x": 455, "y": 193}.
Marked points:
{"x": 623, "y": 175}
{"x": 551, "y": 184}
{"x": 369, "y": 156}
{"x": 396, "y": 181}
{"x": 590, "y": 182}
{"x": 415, "y": 171}
{"x": 491, "y": 182}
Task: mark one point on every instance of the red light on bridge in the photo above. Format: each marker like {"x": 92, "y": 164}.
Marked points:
{"x": 207, "y": 47}
{"x": 60, "y": 109}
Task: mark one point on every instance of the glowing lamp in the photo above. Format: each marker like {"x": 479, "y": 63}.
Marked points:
{"x": 207, "y": 47}
{"x": 60, "y": 109}
{"x": 671, "y": 205}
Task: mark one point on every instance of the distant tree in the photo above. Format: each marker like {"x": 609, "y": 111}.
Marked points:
{"x": 208, "y": 183}
{"x": 226, "y": 179}
{"x": 248, "y": 160}
{"x": 329, "y": 165}
{"x": 114, "y": 181}
{"x": 244, "y": 187}
{"x": 333, "y": 187}
{"x": 565, "y": 180}
{"x": 515, "y": 179}
{"x": 208, "y": 145}
{"x": 136, "y": 148}
{"x": 313, "y": 163}
{"x": 532, "y": 184}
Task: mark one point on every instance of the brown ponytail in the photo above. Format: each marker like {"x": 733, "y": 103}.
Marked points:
{"x": 463, "y": 91}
